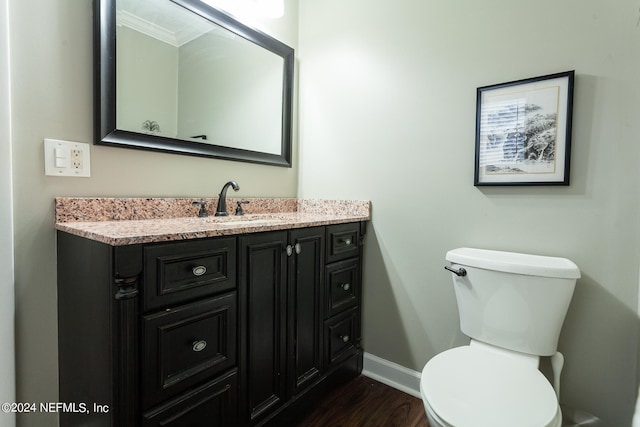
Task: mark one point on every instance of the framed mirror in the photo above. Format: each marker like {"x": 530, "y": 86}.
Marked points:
{"x": 182, "y": 77}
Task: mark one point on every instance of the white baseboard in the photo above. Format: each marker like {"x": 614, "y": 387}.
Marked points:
{"x": 392, "y": 374}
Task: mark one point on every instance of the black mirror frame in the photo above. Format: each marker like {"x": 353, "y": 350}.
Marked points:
{"x": 106, "y": 132}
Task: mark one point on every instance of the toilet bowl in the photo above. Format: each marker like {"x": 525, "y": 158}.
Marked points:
{"x": 471, "y": 386}
{"x": 512, "y": 306}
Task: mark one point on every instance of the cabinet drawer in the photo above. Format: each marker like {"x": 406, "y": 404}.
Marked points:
{"x": 212, "y": 404}
{"x": 179, "y": 272}
{"x": 187, "y": 344}
{"x": 342, "y": 286}
{"x": 343, "y": 241}
{"x": 340, "y": 336}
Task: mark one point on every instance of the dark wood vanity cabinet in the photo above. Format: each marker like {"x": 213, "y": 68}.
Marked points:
{"x": 281, "y": 279}
{"x": 342, "y": 298}
{"x": 227, "y": 331}
{"x": 148, "y": 333}
{"x": 302, "y": 294}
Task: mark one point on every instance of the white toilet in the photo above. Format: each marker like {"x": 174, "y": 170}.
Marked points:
{"x": 512, "y": 306}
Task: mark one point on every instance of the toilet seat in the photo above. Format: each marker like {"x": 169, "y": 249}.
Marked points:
{"x": 472, "y": 387}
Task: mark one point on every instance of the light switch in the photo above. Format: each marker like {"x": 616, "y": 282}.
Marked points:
{"x": 66, "y": 158}
{"x": 61, "y": 157}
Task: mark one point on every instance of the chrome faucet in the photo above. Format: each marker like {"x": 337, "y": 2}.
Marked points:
{"x": 221, "y": 210}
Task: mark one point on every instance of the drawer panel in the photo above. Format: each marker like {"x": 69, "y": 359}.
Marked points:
{"x": 343, "y": 241}
{"x": 342, "y": 286}
{"x": 212, "y": 404}
{"x": 180, "y": 272}
{"x": 340, "y": 337}
{"x": 187, "y": 344}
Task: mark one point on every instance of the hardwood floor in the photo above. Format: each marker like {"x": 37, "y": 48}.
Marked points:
{"x": 364, "y": 402}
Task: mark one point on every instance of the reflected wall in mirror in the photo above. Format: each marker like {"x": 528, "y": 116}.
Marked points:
{"x": 183, "y": 77}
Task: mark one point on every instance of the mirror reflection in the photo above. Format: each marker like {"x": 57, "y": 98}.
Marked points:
{"x": 179, "y": 75}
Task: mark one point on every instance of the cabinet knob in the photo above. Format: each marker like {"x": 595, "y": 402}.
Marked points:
{"x": 344, "y": 338}
{"x": 199, "y": 345}
{"x": 289, "y": 250}
{"x": 199, "y": 270}
{"x": 345, "y": 286}
{"x": 347, "y": 241}
{"x": 298, "y": 248}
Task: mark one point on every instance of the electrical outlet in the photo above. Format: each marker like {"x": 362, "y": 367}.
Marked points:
{"x": 66, "y": 158}
{"x": 77, "y": 159}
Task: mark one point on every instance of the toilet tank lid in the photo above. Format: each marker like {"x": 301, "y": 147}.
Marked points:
{"x": 512, "y": 262}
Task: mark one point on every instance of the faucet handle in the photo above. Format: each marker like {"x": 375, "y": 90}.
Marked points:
{"x": 203, "y": 208}
{"x": 239, "y": 210}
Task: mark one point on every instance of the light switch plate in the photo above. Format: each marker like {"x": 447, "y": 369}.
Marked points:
{"x": 66, "y": 158}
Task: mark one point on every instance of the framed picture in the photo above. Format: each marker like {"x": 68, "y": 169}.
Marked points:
{"x": 523, "y": 131}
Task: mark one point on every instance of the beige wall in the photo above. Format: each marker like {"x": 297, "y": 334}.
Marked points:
{"x": 387, "y": 113}
{"x": 51, "y": 42}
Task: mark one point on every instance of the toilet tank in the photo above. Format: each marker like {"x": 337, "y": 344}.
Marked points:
{"x": 513, "y": 300}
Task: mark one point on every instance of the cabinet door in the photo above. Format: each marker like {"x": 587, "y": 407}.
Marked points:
{"x": 341, "y": 337}
{"x": 306, "y": 270}
{"x": 184, "y": 271}
{"x": 343, "y": 286}
{"x": 186, "y": 345}
{"x": 213, "y": 404}
{"x": 343, "y": 241}
{"x": 262, "y": 294}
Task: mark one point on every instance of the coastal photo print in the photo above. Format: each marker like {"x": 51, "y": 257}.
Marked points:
{"x": 523, "y": 131}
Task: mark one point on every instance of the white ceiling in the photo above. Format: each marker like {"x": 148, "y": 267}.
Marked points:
{"x": 162, "y": 20}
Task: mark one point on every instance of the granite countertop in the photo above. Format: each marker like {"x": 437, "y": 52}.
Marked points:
{"x": 127, "y": 221}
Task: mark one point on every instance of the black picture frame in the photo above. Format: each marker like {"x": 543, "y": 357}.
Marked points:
{"x": 106, "y": 131}
{"x": 523, "y": 131}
